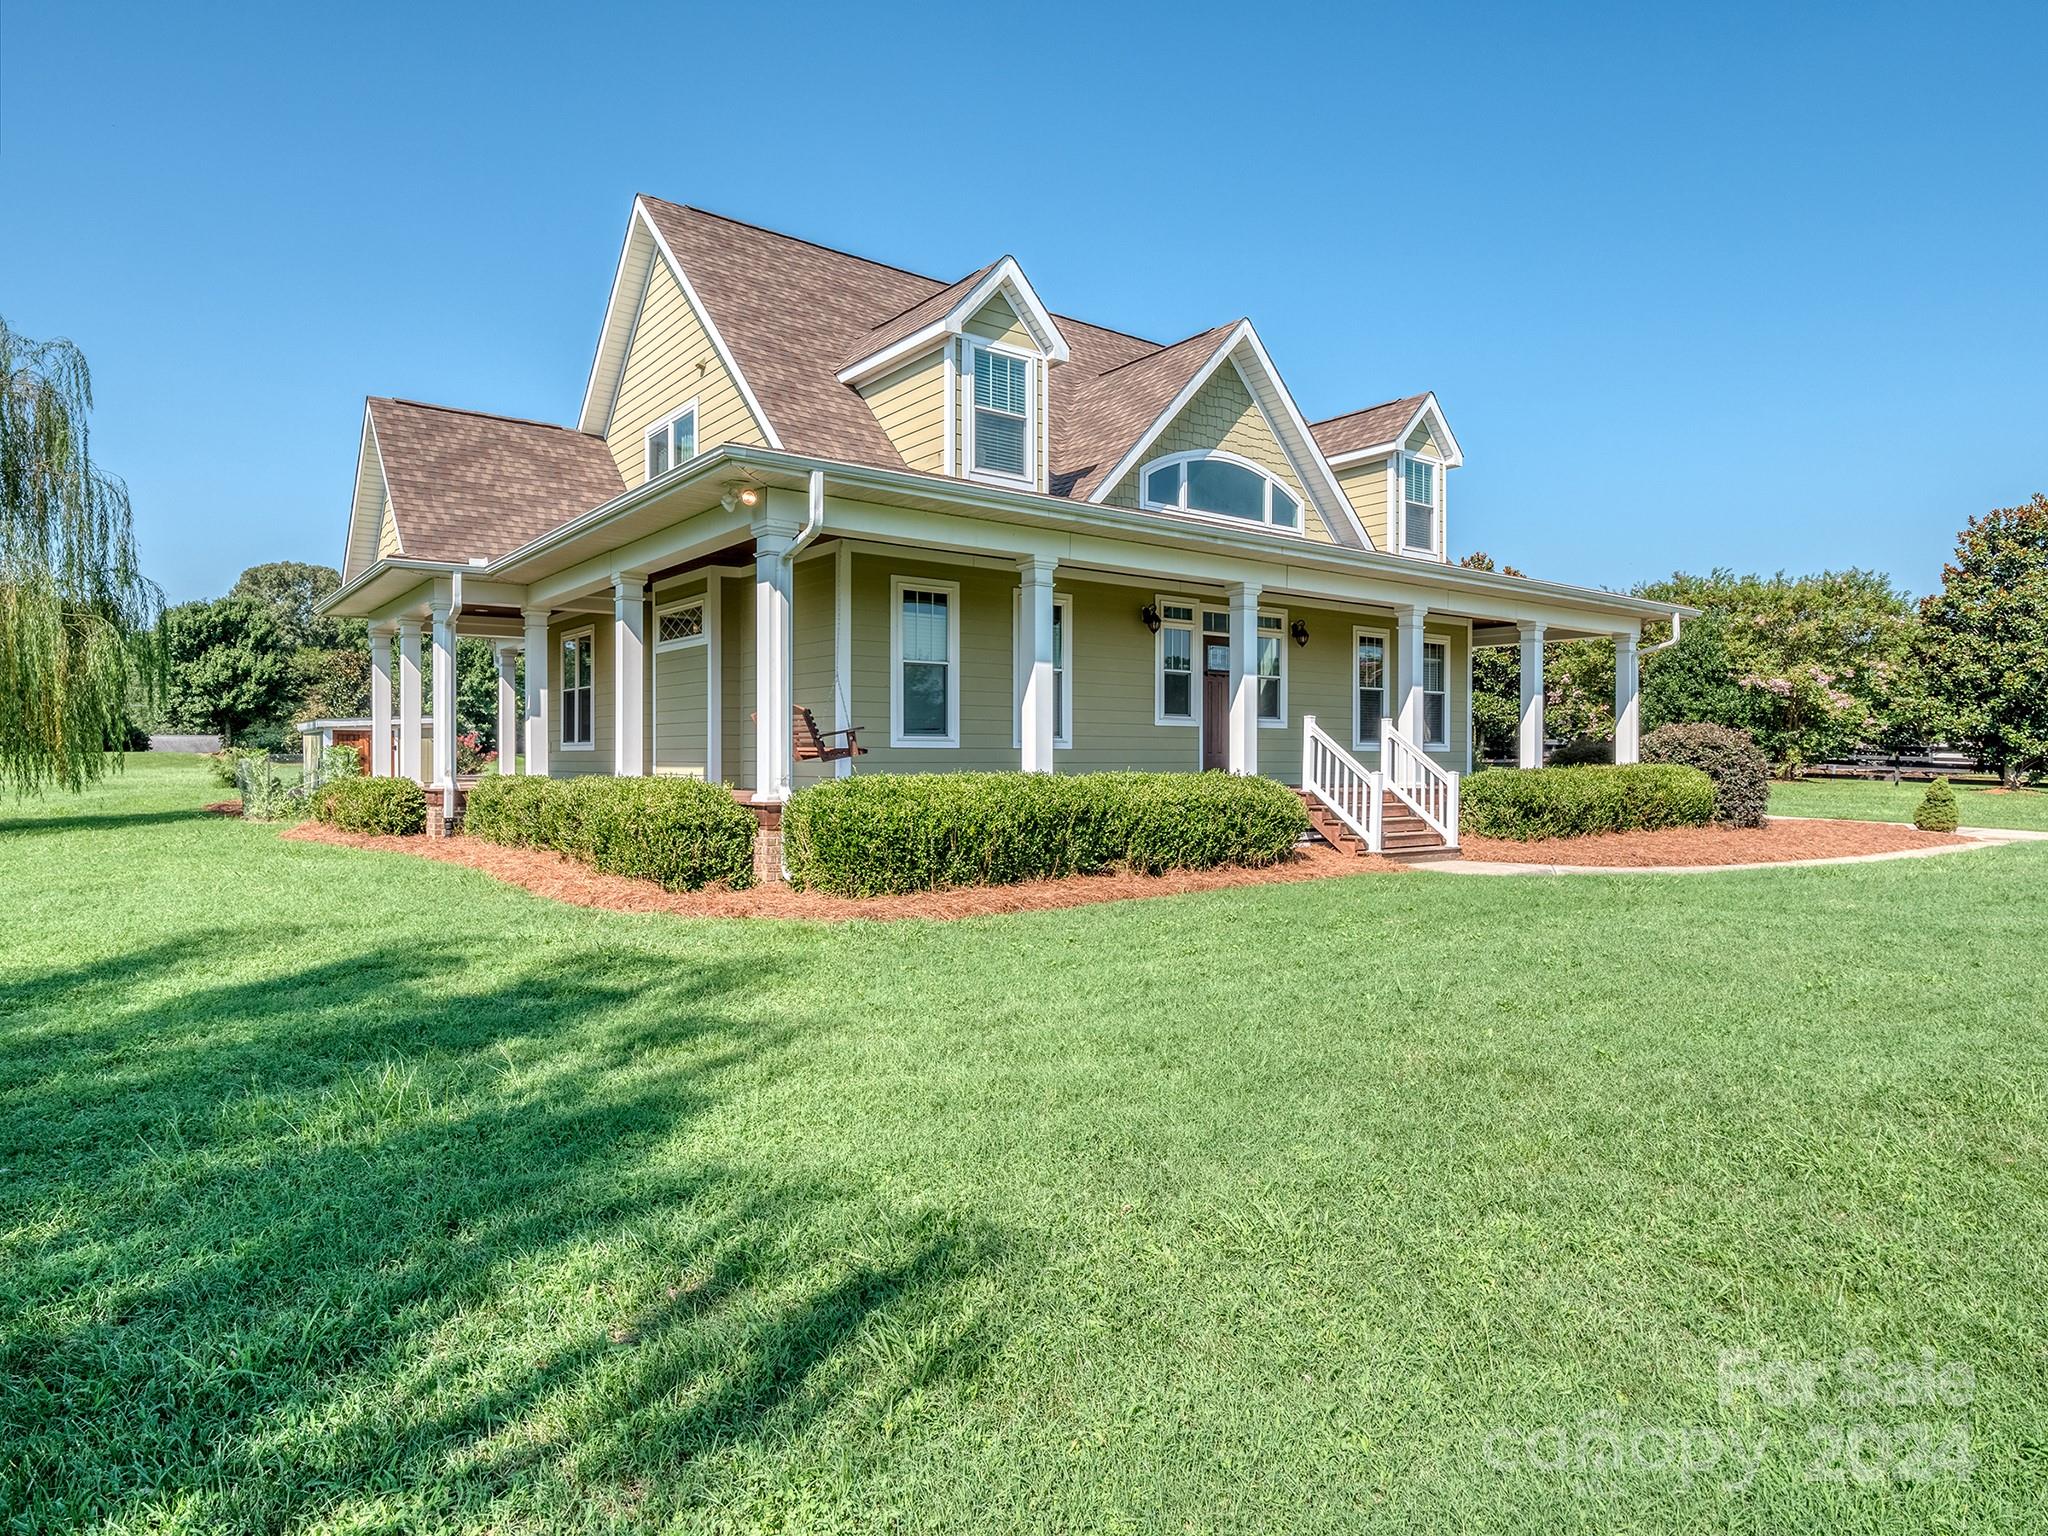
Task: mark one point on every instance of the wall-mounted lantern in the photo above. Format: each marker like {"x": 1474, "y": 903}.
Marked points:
{"x": 1299, "y": 629}
{"x": 1149, "y": 617}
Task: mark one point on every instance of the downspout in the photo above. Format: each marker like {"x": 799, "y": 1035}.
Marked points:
{"x": 1677, "y": 623}
{"x": 813, "y": 524}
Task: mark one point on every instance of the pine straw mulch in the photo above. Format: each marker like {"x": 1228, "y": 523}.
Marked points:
{"x": 1776, "y": 841}
{"x": 563, "y": 879}
{"x": 223, "y": 808}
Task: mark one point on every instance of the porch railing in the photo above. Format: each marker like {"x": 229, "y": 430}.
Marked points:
{"x": 1427, "y": 790}
{"x": 1345, "y": 787}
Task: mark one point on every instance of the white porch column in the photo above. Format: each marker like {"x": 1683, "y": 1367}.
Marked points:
{"x": 1244, "y": 678}
{"x": 773, "y": 766}
{"x": 538, "y": 710}
{"x": 1529, "y": 751}
{"x": 1408, "y": 667}
{"x": 507, "y": 653}
{"x": 1628, "y": 746}
{"x": 629, "y": 674}
{"x": 444, "y": 693}
{"x": 380, "y": 701}
{"x": 409, "y": 699}
{"x": 1036, "y": 726}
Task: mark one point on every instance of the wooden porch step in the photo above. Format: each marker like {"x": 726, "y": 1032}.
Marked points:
{"x": 1403, "y": 834}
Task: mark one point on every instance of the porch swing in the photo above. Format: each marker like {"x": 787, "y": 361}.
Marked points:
{"x": 812, "y": 745}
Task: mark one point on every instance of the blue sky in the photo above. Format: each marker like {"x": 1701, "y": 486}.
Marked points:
{"x": 1747, "y": 286}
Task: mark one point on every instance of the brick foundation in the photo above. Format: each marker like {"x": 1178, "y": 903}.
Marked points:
{"x": 768, "y": 856}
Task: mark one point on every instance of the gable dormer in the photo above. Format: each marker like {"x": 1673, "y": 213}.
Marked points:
{"x": 960, "y": 380}
{"x": 1394, "y": 461}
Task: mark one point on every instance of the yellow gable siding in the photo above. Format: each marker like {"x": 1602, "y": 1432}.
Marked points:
{"x": 910, "y": 404}
{"x": 997, "y": 321}
{"x": 1421, "y": 440}
{"x": 671, "y": 363}
{"x": 1366, "y": 487}
{"x": 387, "y": 530}
{"x": 1224, "y": 415}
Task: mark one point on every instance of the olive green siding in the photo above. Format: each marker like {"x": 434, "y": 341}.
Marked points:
{"x": 568, "y": 762}
{"x": 1224, "y": 415}
{"x": 680, "y": 702}
{"x": 910, "y": 405}
{"x": 671, "y": 362}
{"x": 811, "y": 649}
{"x": 1110, "y": 670}
{"x": 736, "y": 724}
{"x": 984, "y": 666}
{"x": 1366, "y": 487}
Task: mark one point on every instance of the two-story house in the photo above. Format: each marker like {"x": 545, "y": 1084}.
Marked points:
{"x": 979, "y": 534}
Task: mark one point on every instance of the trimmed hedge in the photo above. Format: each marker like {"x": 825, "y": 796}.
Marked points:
{"x": 1937, "y": 811}
{"x": 683, "y": 833}
{"x": 391, "y": 807}
{"x": 1731, "y": 758}
{"x": 1525, "y": 804}
{"x": 882, "y": 832}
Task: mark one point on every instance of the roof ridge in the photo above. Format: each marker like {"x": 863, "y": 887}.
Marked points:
{"x": 1168, "y": 347}
{"x": 816, "y": 245}
{"x": 1364, "y": 409}
{"x": 948, "y": 288}
{"x": 463, "y": 410}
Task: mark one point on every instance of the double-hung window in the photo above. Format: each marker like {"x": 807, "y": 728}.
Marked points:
{"x": 1176, "y": 703}
{"x": 1370, "y": 686}
{"x": 924, "y": 680}
{"x": 579, "y": 722}
{"x": 1419, "y": 497}
{"x": 1272, "y": 654}
{"x": 672, "y": 441}
{"x": 1436, "y": 697}
{"x": 1002, "y": 414}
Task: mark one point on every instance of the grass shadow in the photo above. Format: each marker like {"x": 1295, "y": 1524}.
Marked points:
{"x": 366, "y": 1224}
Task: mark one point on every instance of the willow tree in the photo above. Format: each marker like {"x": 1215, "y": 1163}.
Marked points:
{"x": 77, "y": 616}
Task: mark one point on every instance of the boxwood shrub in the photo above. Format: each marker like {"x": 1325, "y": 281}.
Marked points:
{"x": 682, "y": 833}
{"x": 1731, "y": 758}
{"x": 1524, "y": 804}
{"x": 883, "y": 832}
{"x": 391, "y": 807}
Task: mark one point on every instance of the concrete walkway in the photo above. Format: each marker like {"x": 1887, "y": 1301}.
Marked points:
{"x": 1979, "y": 838}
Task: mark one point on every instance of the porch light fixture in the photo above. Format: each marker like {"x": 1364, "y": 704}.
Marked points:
{"x": 1149, "y": 617}
{"x": 739, "y": 494}
{"x": 1299, "y": 629}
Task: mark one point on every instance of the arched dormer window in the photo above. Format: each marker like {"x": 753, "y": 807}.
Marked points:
{"x": 1212, "y": 483}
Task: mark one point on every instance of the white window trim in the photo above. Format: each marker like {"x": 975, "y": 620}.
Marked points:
{"x": 1445, "y": 744}
{"x": 897, "y": 586}
{"x": 1062, "y": 728}
{"x": 666, "y": 426}
{"x": 1361, "y": 741}
{"x": 1285, "y": 640}
{"x": 1145, "y": 471}
{"x": 1159, "y": 715}
{"x": 1033, "y": 365}
{"x": 562, "y": 643}
{"x": 1402, "y": 461}
{"x": 703, "y": 635}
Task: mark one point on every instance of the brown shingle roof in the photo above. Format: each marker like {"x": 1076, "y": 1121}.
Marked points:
{"x": 1368, "y": 428}
{"x": 793, "y": 314}
{"x": 464, "y": 484}
{"x": 915, "y": 318}
{"x": 1101, "y": 417}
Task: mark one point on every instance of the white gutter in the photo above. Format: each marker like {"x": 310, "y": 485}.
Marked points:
{"x": 1677, "y": 623}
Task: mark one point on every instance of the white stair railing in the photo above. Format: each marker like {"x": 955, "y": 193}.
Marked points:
{"x": 1427, "y": 790}
{"x": 1340, "y": 783}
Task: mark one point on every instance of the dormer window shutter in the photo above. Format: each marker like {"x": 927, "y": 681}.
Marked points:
{"x": 1002, "y": 412}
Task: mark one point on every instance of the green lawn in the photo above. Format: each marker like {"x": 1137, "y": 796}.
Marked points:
{"x": 352, "y": 1192}
{"x": 1865, "y": 800}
